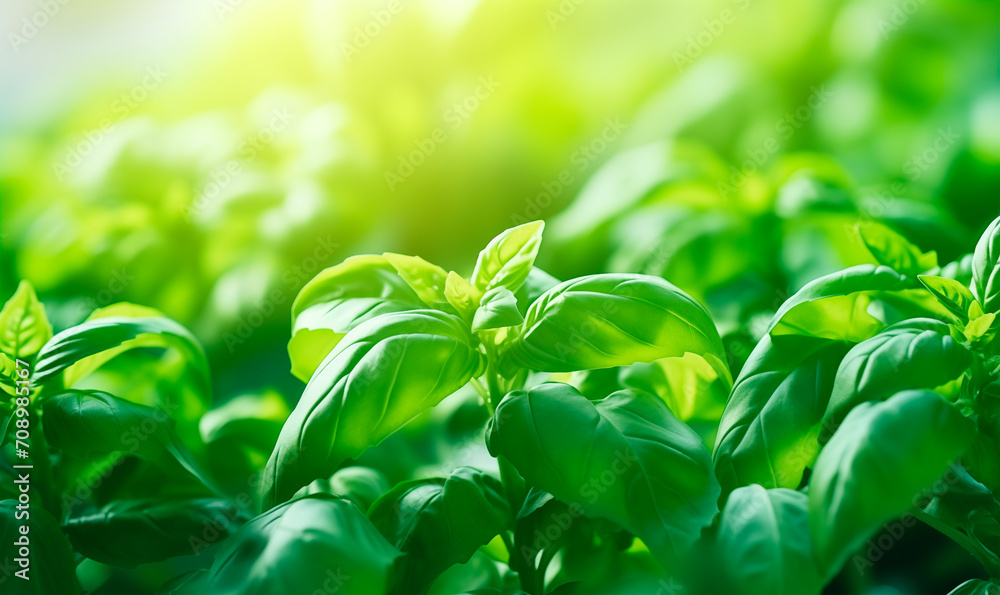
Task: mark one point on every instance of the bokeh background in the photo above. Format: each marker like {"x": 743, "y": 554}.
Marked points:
{"x": 208, "y": 158}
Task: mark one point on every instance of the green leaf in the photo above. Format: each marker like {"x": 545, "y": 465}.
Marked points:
{"x": 440, "y": 522}
{"x": 94, "y": 423}
{"x": 24, "y": 327}
{"x": 497, "y": 309}
{"x": 764, "y": 545}
{"x": 602, "y": 321}
{"x": 384, "y": 373}
{"x": 507, "y": 259}
{"x": 986, "y": 268}
{"x": 51, "y": 567}
{"x": 976, "y": 587}
{"x": 537, "y": 283}
{"x": 768, "y": 432}
{"x": 129, "y": 533}
{"x": 980, "y": 328}
{"x": 427, "y": 280}
{"x": 953, "y": 295}
{"x": 916, "y": 354}
{"x": 624, "y": 458}
{"x": 894, "y": 251}
{"x": 338, "y": 299}
{"x": 313, "y": 544}
{"x": 361, "y": 485}
{"x": 875, "y": 466}
{"x": 461, "y": 294}
{"x": 81, "y": 349}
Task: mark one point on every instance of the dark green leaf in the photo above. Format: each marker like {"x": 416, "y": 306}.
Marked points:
{"x": 313, "y": 544}
{"x": 625, "y": 458}
{"x": 383, "y": 374}
{"x": 360, "y": 485}
{"x": 764, "y": 544}
{"x": 894, "y": 251}
{"x": 439, "y": 522}
{"x": 537, "y": 283}
{"x": 602, "y": 321}
{"x": 129, "y": 533}
{"x": 875, "y": 466}
{"x": 916, "y": 354}
{"x": 976, "y": 587}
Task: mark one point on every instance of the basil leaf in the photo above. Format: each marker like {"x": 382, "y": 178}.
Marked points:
{"x": 361, "y": 485}
{"x": 537, "y": 283}
{"x": 768, "y": 432}
{"x": 764, "y": 545}
{"x": 24, "y": 327}
{"x": 894, "y": 251}
{"x": 384, "y": 373}
{"x": 338, "y": 299}
{"x": 82, "y": 348}
{"x": 953, "y": 295}
{"x": 602, "y": 321}
{"x": 318, "y": 543}
{"x": 507, "y": 259}
{"x": 129, "y": 533}
{"x": 976, "y": 587}
{"x": 624, "y": 458}
{"x": 497, "y": 309}
{"x": 440, "y": 522}
{"x": 50, "y": 564}
{"x": 94, "y": 423}
{"x": 461, "y": 294}
{"x": 427, "y": 280}
{"x": 876, "y": 464}
{"x": 986, "y": 268}
{"x": 916, "y": 354}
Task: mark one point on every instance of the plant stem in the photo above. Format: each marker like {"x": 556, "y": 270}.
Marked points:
{"x": 989, "y": 560}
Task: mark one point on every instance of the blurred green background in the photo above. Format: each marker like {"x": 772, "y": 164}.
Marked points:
{"x": 208, "y": 158}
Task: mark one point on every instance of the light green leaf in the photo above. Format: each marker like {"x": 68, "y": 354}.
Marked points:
{"x": 440, "y": 522}
{"x": 602, "y": 321}
{"x": 461, "y": 294}
{"x": 338, "y": 299}
{"x": 624, "y": 458}
{"x": 986, "y": 268}
{"x": 384, "y": 373}
{"x": 313, "y": 544}
{"x": 80, "y": 349}
{"x": 875, "y": 467}
{"x": 976, "y": 587}
{"x": 764, "y": 545}
{"x": 953, "y": 295}
{"x": 24, "y": 327}
{"x": 94, "y": 423}
{"x": 51, "y": 567}
{"x": 916, "y": 354}
{"x": 980, "y": 328}
{"x": 133, "y": 532}
{"x": 507, "y": 259}
{"x": 497, "y": 309}
{"x": 426, "y": 279}
{"x": 894, "y": 251}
